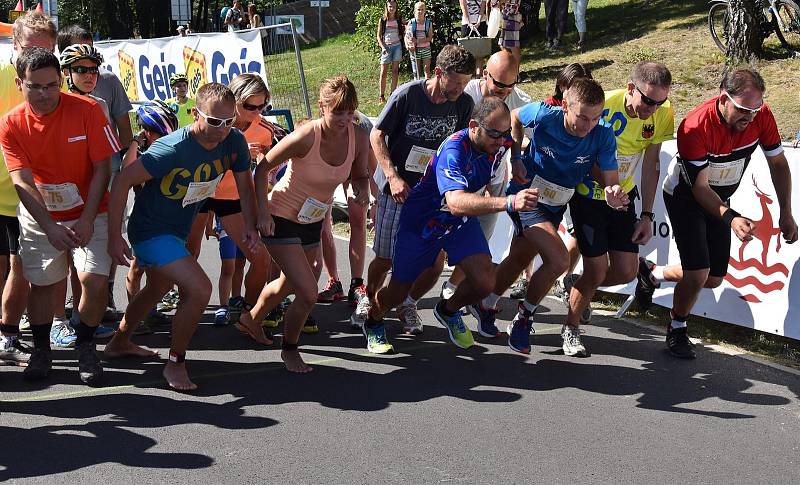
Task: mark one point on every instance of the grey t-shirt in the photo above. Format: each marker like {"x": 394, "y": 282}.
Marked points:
{"x": 416, "y": 127}
{"x": 109, "y": 89}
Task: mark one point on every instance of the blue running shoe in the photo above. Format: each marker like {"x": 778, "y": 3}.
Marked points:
{"x": 103, "y": 332}
{"x": 62, "y": 335}
{"x": 486, "y": 319}
{"x": 459, "y": 333}
{"x": 519, "y": 331}
{"x": 221, "y": 317}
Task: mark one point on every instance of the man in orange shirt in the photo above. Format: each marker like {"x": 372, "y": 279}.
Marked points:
{"x": 64, "y": 201}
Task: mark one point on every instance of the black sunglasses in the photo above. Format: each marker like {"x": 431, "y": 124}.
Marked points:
{"x": 650, "y": 101}
{"x": 84, "y": 70}
{"x": 495, "y": 133}
{"x": 257, "y": 107}
{"x": 502, "y": 85}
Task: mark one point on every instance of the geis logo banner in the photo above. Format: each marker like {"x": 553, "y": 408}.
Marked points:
{"x": 145, "y": 65}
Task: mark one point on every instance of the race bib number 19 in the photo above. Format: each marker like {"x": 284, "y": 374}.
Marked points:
{"x": 419, "y": 158}
{"x": 60, "y": 197}
{"x": 199, "y": 191}
{"x": 725, "y": 174}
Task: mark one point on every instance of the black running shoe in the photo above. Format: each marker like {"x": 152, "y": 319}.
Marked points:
{"x": 39, "y": 365}
{"x": 679, "y": 344}
{"x": 644, "y": 284}
{"x": 89, "y": 367}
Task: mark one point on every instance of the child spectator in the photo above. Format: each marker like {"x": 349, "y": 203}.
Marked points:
{"x": 421, "y": 34}
{"x": 390, "y": 33}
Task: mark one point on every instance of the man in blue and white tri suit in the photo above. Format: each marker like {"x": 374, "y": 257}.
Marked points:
{"x": 565, "y": 145}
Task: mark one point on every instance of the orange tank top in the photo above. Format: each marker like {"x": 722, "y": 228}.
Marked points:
{"x": 259, "y": 131}
{"x": 305, "y": 192}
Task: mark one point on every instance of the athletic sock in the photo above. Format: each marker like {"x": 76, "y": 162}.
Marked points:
{"x": 449, "y": 286}
{"x": 9, "y": 330}
{"x": 41, "y": 336}
{"x": 409, "y": 301}
{"x": 529, "y": 307}
{"x": 84, "y": 332}
{"x": 677, "y": 321}
{"x": 355, "y": 282}
{"x": 658, "y": 274}
{"x": 490, "y": 302}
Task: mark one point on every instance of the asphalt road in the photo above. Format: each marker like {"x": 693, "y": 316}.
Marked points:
{"x": 430, "y": 413}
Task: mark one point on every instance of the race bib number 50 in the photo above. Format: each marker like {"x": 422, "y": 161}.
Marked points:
{"x": 551, "y": 194}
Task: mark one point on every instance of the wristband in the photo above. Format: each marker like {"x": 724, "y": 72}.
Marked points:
{"x": 176, "y": 357}
{"x": 729, "y": 215}
{"x": 516, "y": 157}
{"x": 510, "y": 202}
{"x": 649, "y": 215}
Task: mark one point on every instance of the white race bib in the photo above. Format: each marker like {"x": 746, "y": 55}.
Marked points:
{"x": 550, "y": 193}
{"x": 627, "y": 165}
{"x": 312, "y": 211}
{"x": 727, "y": 173}
{"x": 198, "y": 191}
{"x": 419, "y": 158}
{"x": 60, "y": 197}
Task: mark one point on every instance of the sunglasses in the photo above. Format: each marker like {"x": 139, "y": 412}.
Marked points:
{"x": 257, "y": 107}
{"x": 742, "y": 109}
{"x": 502, "y": 85}
{"x": 84, "y": 70}
{"x": 648, "y": 100}
{"x": 216, "y": 122}
{"x": 495, "y": 134}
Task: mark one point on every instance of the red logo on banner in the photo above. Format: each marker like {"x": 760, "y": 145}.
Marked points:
{"x": 758, "y": 273}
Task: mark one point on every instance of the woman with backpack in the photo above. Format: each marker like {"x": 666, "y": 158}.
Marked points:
{"x": 418, "y": 40}
{"x": 390, "y": 33}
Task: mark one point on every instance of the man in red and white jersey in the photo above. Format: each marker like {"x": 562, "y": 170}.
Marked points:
{"x": 715, "y": 143}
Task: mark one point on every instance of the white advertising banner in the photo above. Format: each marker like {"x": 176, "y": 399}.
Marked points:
{"x": 762, "y": 287}
{"x": 145, "y": 65}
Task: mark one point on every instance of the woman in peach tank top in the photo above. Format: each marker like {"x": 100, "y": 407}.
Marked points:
{"x": 323, "y": 154}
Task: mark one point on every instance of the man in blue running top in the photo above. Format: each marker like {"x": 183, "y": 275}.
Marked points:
{"x": 440, "y": 214}
{"x": 566, "y": 143}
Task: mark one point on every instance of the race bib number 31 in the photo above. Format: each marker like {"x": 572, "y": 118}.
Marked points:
{"x": 725, "y": 174}
{"x": 60, "y": 197}
{"x": 198, "y": 191}
{"x": 551, "y": 194}
{"x": 419, "y": 158}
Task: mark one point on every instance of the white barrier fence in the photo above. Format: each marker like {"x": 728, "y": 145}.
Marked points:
{"x": 761, "y": 289}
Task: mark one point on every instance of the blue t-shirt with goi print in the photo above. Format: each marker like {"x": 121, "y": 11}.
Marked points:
{"x": 561, "y": 158}
{"x": 457, "y": 165}
{"x": 175, "y": 161}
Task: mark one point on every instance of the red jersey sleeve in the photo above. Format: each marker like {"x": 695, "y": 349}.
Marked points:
{"x": 692, "y": 141}
{"x": 103, "y": 141}
{"x": 13, "y": 152}
{"x": 769, "y": 138}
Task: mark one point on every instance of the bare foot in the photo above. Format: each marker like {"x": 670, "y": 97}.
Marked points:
{"x": 247, "y": 326}
{"x": 177, "y": 378}
{"x": 294, "y": 363}
{"x": 116, "y": 350}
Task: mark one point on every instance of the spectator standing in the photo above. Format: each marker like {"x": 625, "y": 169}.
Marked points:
{"x": 390, "y": 33}
{"x": 255, "y": 18}
{"x": 234, "y": 17}
{"x": 556, "y": 22}
{"x": 579, "y": 8}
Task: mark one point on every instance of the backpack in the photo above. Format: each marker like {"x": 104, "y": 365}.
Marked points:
{"x": 222, "y": 14}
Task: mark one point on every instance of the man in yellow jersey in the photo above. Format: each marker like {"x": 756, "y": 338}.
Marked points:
{"x": 181, "y": 104}
{"x": 642, "y": 118}
{"x": 34, "y": 29}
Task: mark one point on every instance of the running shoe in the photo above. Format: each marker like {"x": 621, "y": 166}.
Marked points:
{"x": 12, "y": 350}
{"x": 24, "y": 323}
{"x": 89, "y": 367}
{"x": 572, "y": 345}
{"x": 408, "y": 316}
{"x": 221, "y": 317}
{"x": 558, "y": 289}
{"x": 39, "y": 365}
{"x": 155, "y": 317}
{"x": 62, "y": 335}
{"x": 310, "y": 326}
{"x": 446, "y": 292}
{"x": 486, "y": 319}
{"x": 361, "y": 313}
{"x": 169, "y": 301}
{"x": 459, "y": 334}
{"x": 333, "y": 292}
{"x": 519, "y": 289}
{"x": 519, "y": 331}
{"x": 103, "y": 331}
{"x": 569, "y": 282}
{"x": 645, "y": 286}
{"x": 274, "y": 317}
{"x": 69, "y": 305}
{"x": 377, "y": 342}
{"x": 355, "y": 293}
{"x": 679, "y": 344}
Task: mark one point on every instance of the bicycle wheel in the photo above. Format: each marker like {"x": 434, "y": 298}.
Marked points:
{"x": 787, "y": 26}
{"x": 718, "y": 25}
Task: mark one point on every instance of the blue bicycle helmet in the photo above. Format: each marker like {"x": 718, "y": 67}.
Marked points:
{"x": 156, "y": 116}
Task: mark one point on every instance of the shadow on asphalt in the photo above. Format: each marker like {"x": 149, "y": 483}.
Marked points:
{"x": 425, "y": 368}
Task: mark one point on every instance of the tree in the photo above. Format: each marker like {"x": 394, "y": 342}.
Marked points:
{"x": 744, "y": 30}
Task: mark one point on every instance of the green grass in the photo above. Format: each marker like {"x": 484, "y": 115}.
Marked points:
{"x": 621, "y": 33}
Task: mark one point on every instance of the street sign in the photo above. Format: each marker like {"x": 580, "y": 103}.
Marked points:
{"x": 320, "y": 3}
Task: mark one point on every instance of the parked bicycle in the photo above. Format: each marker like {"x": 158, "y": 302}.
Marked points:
{"x": 779, "y": 16}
